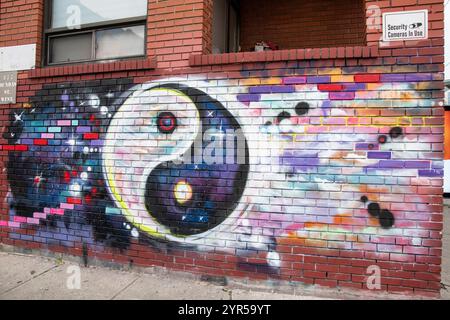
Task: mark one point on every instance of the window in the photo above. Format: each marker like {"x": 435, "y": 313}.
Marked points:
{"x": 225, "y": 26}
{"x": 262, "y": 25}
{"x": 91, "y": 30}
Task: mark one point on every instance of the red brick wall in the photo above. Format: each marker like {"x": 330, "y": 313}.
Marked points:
{"x": 21, "y": 23}
{"x": 302, "y": 24}
{"x": 177, "y": 28}
{"x": 321, "y": 237}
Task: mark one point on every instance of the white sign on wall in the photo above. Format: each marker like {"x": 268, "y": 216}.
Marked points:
{"x": 18, "y": 58}
{"x": 8, "y": 87}
{"x": 405, "y": 25}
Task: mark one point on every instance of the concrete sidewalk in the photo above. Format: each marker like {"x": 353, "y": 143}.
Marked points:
{"x": 33, "y": 277}
{"x": 445, "y": 275}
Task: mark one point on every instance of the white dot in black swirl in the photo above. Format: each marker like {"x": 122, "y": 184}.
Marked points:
{"x": 196, "y": 196}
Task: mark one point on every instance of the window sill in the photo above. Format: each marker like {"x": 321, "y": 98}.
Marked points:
{"x": 90, "y": 68}
{"x": 284, "y": 55}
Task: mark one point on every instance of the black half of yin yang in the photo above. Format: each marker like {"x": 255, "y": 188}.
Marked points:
{"x": 196, "y": 196}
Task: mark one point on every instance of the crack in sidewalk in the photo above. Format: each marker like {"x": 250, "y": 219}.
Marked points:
{"x": 28, "y": 280}
{"x": 125, "y": 288}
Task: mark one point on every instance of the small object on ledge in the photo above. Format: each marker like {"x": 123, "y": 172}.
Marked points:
{"x": 263, "y": 46}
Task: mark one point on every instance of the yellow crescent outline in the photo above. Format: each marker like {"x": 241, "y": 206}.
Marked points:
{"x": 130, "y": 217}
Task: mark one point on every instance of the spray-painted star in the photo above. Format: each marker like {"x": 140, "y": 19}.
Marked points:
{"x": 72, "y": 142}
{"x": 38, "y": 180}
{"x": 109, "y": 95}
{"x": 18, "y": 117}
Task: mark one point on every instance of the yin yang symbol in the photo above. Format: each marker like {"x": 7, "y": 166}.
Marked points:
{"x": 148, "y": 141}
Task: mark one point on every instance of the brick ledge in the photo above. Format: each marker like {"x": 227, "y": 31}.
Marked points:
{"x": 284, "y": 55}
{"x": 89, "y": 68}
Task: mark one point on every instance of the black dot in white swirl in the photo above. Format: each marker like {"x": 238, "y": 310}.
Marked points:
{"x": 157, "y": 161}
{"x": 194, "y": 197}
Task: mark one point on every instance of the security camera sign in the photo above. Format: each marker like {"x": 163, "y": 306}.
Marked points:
{"x": 405, "y": 25}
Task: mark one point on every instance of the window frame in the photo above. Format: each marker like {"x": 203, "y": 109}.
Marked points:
{"x": 234, "y": 5}
{"x": 92, "y": 28}
{"x": 230, "y": 5}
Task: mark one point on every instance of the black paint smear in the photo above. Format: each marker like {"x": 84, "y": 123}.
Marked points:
{"x": 50, "y": 221}
{"x": 386, "y": 219}
{"x": 283, "y": 115}
{"x": 85, "y": 254}
{"x": 395, "y": 132}
{"x": 374, "y": 209}
{"x": 302, "y": 108}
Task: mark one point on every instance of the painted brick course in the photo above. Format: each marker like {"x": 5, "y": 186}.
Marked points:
{"x": 343, "y": 157}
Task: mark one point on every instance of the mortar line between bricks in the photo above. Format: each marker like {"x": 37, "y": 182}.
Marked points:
{"x": 26, "y": 281}
{"x": 125, "y": 288}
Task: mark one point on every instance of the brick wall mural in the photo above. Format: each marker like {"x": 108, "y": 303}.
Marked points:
{"x": 309, "y": 175}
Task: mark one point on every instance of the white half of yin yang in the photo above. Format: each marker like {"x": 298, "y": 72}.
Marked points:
{"x": 134, "y": 147}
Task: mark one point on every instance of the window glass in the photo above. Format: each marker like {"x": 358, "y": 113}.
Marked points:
{"x": 233, "y": 30}
{"x": 120, "y": 42}
{"x": 225, "y": 27}
{"x": 71, "y": 48}
{"x": 72, "y": 13}
{"x": 219, "y": 41}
